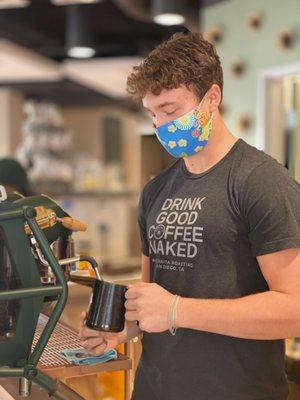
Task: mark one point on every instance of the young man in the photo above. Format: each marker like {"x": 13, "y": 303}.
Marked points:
{"x": 220, "y": 234}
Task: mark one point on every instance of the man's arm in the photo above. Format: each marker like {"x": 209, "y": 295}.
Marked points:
{"x": 145, "y": 268}
{"x": 274, "y": 314}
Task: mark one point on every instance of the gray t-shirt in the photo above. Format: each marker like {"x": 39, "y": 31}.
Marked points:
{"x": 202, "y": 233}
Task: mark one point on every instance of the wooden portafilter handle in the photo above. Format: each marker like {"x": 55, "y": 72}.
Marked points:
{"x": 72, "y": 224}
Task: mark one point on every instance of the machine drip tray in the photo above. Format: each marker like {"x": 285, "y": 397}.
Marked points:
{"x": 64, "y": 337}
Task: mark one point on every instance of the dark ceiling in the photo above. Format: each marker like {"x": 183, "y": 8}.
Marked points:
{"x": 41, "y": 27}
{"x": 117, "y": 32}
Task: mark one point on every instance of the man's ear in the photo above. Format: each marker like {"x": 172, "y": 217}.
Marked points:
{"x": 215, "y": 97}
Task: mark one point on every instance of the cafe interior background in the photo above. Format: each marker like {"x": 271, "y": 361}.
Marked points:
{"x": 66, "y": 117}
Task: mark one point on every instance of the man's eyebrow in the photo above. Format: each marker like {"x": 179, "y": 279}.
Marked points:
{"x": 166, "y": 103}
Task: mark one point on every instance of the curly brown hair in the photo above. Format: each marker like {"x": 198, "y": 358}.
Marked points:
{"x": 184, "y": 59}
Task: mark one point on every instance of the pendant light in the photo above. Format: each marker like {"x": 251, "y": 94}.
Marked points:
{"x": 79, "y": 37}
{"x": 169, "y": 12}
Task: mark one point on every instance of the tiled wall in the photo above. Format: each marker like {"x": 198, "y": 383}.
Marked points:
{"x": 258, "y": 48}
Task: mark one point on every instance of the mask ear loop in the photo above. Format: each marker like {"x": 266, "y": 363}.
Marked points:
{"x": 199, "y": 105}
{"x": 212, "y": 113}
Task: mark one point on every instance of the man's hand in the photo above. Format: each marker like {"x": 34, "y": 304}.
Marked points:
{"x": 149, "y": 304}
{"x": 97, "y": 343}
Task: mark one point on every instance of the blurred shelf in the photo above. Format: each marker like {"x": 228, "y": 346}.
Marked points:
{"x": 104, "y": 193}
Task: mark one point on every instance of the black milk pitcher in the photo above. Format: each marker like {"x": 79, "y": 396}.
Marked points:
{"x": 107, "y": 309}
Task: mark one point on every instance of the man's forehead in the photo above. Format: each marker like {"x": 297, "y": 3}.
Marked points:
{"x": 159, "y": 105}
{"x": 166, "y": 97}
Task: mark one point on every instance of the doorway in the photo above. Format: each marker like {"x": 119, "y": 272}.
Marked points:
{"x": 278, "y": 115}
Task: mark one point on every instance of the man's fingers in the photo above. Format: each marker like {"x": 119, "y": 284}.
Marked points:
{"x": 82, "y": 318}
{"x": 98, "y": 351}
{"x": 132, "y": 293}
{"x": 82, "y": 323}
{"x": 91, "y": 344}
{"x": 130, "y": 305}
{"x": 86, "y": 333}
{"x": 131, "y": 316}
{"x": 136, "y": 290}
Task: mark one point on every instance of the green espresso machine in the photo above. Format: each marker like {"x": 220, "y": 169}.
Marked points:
{"x": 31, "y": 272}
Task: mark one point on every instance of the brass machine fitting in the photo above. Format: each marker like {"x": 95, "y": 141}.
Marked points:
{"x": 46, "y": 218}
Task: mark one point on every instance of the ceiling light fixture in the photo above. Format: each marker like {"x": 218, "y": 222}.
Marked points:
{"x": 69, "y": 2}
{"x": 79, "y": 37}
{"x": 81, "y": 52}
{"x": 169, "y": 12}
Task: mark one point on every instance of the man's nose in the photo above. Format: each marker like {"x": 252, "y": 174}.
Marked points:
{"x": 158, "y": 121}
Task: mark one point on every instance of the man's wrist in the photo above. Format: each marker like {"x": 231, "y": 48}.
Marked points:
{"x": 182, "y": 310}
{"x": 173, "y": 315}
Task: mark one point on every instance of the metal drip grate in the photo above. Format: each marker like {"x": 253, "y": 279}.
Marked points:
{"x": 61, "y": 338}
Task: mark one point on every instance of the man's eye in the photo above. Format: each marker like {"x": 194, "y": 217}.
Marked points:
{"x": 170, "y": 112}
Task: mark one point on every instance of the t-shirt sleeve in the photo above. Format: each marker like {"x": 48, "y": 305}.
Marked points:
{"x": 271, "y": 207}
{"x": 143, "y": 225}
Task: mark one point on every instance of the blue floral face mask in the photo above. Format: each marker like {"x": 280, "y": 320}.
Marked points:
{"x": 186, "y": 135}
